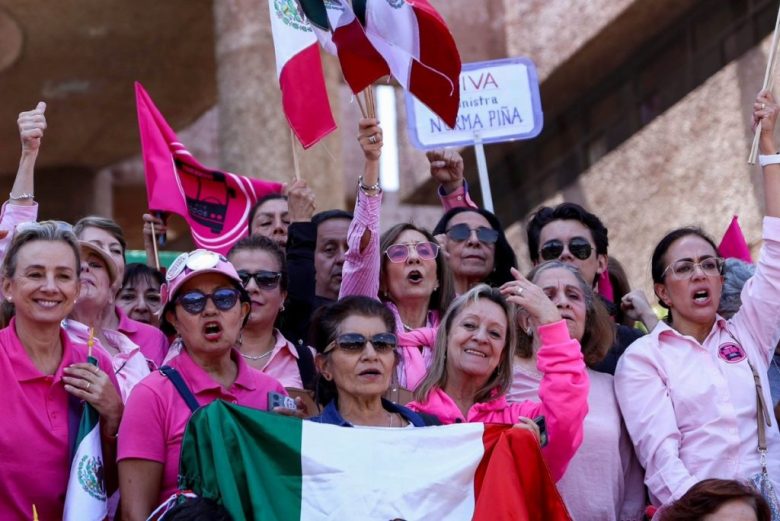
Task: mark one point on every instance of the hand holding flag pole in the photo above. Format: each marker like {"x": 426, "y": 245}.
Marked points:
{"x": 769, "y": 79}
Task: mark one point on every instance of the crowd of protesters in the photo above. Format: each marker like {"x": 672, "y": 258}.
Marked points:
{"x": 636, "y": 416}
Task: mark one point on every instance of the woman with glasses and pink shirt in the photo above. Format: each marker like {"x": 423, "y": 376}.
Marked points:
{"x": 404, "y": 269}
{"x": 205, "y": 302}
{"x": 687, "y": 389}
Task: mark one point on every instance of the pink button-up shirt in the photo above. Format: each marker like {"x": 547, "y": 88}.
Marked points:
{"x": 690, "y": 408}
{"x": 563, "y": 392}
{"x": 457, "y": 198}
{"x": 151, "y": 340}
{"x": 282, "y": 363}
{"x": 360, "y": 276}
{"x": 34, "y": 449}
{"x": 153, "y": 424}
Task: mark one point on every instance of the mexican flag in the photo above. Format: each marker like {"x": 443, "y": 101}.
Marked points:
{"x": 418, "y": 47}
{"x": 340, "y": 33}
{"x": 85, "y": 499}
{"x": 299, "y": 69}
{"x": 263, "y": 466}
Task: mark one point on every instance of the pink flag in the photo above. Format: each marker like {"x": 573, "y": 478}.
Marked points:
{"x": 733, "y": 245}
{"x": 215, "y": 204}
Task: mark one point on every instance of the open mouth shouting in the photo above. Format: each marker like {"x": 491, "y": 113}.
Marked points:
{"x": 415, "y": 277}
{"x": 212, "y": 331}
{"x": 701, "y": 297}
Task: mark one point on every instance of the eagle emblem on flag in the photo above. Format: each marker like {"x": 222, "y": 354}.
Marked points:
{"x": 90, "y": 472}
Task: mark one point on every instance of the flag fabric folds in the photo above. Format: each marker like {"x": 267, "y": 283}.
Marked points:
{"x": 85, "y": 499}
{"x": 215, "y": 204}
{"x": 733, "y": 245}
{"x": 299, "y": 70}
{"x": 264, "y": 466}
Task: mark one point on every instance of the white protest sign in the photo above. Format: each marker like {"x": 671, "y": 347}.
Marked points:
{"x": 499, "y": 101}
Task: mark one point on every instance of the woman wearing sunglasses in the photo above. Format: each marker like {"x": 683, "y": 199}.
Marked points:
{"x": 477, "y": 250}
{"x": 404, "y": 268}
{"x": 356, "y": 341}
{"x": 472, "y": 369}
{"x": 688, "y": 389}
{"x": 604, "y": 479}
{"x": 262, "y": 268}
{"x": 45, "y": 377}
{"x": 207, "y": 306}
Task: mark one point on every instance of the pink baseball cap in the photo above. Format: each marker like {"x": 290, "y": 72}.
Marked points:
{"x": 188, "y": 265}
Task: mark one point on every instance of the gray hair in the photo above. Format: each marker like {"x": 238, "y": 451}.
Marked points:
{"x": 40, "y": 231}
{"x": 735, "y": 273}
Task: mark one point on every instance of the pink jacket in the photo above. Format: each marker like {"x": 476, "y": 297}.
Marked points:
{"x": 563, "y": 392}
{"x": 360, "y": 276}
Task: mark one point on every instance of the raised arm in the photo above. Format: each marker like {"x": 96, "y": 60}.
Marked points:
{"x": 360, "y": 273}
{"x": 447, "y": 171}
{"x": 766, "y": 110}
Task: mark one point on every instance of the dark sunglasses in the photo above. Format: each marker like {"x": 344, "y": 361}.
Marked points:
{"x": 355, "y": 342}
{"x": 461, "y": 232}
{"x": 400, "y": 252}
{"x": 578, "y": 246}
{"x": 264, "y": 279}
{"x": 194, "y": 302}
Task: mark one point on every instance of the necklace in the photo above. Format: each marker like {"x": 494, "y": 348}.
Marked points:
{"x": 390, "y": 423}
{"x": 256, "y": 357}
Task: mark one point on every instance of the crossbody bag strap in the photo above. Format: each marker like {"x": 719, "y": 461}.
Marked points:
{"x": 181, "y": 386}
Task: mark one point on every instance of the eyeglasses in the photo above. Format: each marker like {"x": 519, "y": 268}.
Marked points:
{"x": 683, "y": 269}
{"x": 578, "y": 246}
{"x": 194, "y": 302}
{"x": 461, "y": 232}
{"x": 400, "y": 252}
{"x": 263, "y": 278}
{"x": 355, "y": 342}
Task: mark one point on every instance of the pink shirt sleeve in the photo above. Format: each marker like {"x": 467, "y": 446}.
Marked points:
{"x": 641, "y": 391}
{"x": 360, "y": 273}
{"x": 458, "y": 198}
{"x": 12, "y": 215}
{"x": 563, "y": 392}
{"x": 142, "y": 431}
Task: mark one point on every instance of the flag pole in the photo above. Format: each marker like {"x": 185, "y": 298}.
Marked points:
{"x": 154, "y": 248}
{"x": 484, "y": 181}
{"x": 296, "y": 166}
{"x": 769, "y": 77}
{"x": 360, "y": 104}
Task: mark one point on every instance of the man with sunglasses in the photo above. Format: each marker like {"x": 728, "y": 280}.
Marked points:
{"x": 571, "y": 234}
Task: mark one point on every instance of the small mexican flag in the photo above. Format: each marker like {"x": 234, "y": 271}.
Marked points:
{"x": 264, "y": 466}
{"x": 85, "y": 499}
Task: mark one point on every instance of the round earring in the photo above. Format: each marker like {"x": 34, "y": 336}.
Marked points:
{"x": 9, "y": 299}
{"x": 281, "y": 308}
{"x": 327, "y": 376}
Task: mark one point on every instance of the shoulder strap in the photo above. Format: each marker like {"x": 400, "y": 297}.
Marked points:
{"x": 305, "y": 365}
{"x": 180, "y": 385}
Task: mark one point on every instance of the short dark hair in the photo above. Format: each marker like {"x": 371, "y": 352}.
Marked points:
{"x": 321, "y": 217}
{"x": 505, "y": 257}
{"x": 707, "y": 496}
{"x": 565, "y": 212}
{"x": 103, "y": 223}
{"x": 138, "y": 271}
{"x": 324, "y": 328}
{"x": 260, "y": 202}
{"x": 260, "y": 242}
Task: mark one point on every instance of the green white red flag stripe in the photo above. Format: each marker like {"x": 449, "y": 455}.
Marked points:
{"x": 299, "y": 69}
{"x": 85, "y": 499}
{"x": 264, "y": 466}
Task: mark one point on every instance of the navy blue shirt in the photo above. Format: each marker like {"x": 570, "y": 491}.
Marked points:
{"x": 330, "y": 414}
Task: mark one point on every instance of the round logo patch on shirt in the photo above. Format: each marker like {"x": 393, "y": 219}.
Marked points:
{"x": 731, "y": 353}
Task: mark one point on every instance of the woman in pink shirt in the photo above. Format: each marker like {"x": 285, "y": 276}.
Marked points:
{"x": 604, "y": 480}
{"x": 207, "y": 305}
{"x": 686, "y": 390}
{"x": 472, "y": 368}
{"x": 45, "y": 377}
{"x": 403, "y": 269}
{"x": 262, "y": 268}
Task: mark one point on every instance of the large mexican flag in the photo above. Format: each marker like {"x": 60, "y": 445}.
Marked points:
{"x": 269, "y": 467}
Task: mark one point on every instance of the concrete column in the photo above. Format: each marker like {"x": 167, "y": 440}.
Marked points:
{"x": 254, "y": 137}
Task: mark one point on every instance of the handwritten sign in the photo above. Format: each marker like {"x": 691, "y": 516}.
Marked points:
{"x": 499, "y": 101}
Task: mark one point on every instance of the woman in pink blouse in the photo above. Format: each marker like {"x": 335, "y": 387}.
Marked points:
{"x": 404, "y": 269}
{"x": 472, "y": 369}
{"x": 686, "y": 390}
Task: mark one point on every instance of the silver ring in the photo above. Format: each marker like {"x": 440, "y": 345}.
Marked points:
{"x": 372, "y": 140}
{"x": 519, "y": 291}
{"x": 763, "y": 106}
{"x": 87, "y": 387}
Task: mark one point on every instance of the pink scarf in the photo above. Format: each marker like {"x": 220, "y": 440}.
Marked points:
{"x": 414, "y": 363}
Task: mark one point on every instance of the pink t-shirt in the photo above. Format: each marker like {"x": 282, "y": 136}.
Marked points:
{"x": 151, "y": 340}
{"x": 34, "y": 449}
{"x": 156, "y": 415}
{"x": 563, "y": 392}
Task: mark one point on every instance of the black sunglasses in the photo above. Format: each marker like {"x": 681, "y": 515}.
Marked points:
{"x": 461, "y": 232}
{"x": 578, "y": 246}
{"x": 264, "y": 279}
{"x": 355, "y": 342}
{"x": 194, "y": 302}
